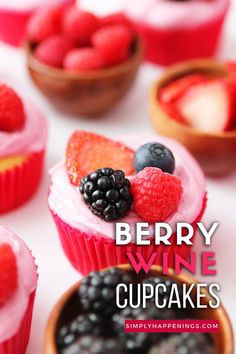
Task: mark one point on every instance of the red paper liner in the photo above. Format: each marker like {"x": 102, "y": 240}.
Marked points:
{"x": 13, "y": 24}
{"x": 19, "y": 183}
{"x": 91, "y": 252}
{"x": 18, "y": 343}
{"x": 167, "y": 46}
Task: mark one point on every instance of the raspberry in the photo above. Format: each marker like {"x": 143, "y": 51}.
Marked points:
{"x": 80, "y": 25}
{"x": 187, "y": 343}
{"x": 156, "y": 194}
{"x": 114, "y": 42}
{"x": 8, "y": 273}
{"x": 44, "y": 23}
{"x": 107, "y": 192}
{"x": 53, "y": 50}
{"x": 86, "y": 152}
{"x": 117, "y": 18}
{"x": 83, "y": 59}
{"x": 97, "y": 292}
{"x": 12, "y": 115}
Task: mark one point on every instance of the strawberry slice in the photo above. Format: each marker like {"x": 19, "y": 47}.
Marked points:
{"x": 177, "y": 88}
{"x": 231, "y": 66}
{"x": 8, "y": 273}
{"x": 209, "y": 106}
{"x": 87, "y": 152}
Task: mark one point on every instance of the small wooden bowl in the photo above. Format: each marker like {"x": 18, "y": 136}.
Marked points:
{"x": 214, "y": 151}
{"x": 85, "y": 93}
{"x": 67, "y": 306}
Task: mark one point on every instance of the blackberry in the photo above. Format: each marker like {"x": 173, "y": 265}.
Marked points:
{"x": 84, "y": 324}
{"x": 94, "y": 345}
{"x": 107, "y": 193}
{"x": 97, "y": 292}
{"x": 187, "y": 343}
{"x": 165, "y": 295}
{"x": 154, "y": 155}
{"x": 140, "y": 342}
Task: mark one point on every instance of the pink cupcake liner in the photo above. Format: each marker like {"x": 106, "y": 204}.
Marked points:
{"x": 18, "y": 343}
{"x": 90, "y": 252}
{"x": 19, "y": 183}
{"x": 13, "y": 23}
{"x": 167, "y": 46}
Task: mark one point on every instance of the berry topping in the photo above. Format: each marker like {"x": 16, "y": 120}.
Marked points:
{"x": 53, "y": 50}
{"x": 83, "y": 59}
{"x": 80, "y": 25}
{"x": 8, "y": 273}
{"x": 87, "y": 152}
{"x": 154, "y": 155}
{"x": 187, "y": 343}
{"x": 107, "y": 192}
{"x": 87, "y": 324}
{"x": 209, "y": 107}
{"x": 140, "y": 342}
{"x": 114, "y": 42}
{"x": 94, "y": 345}
{"x": 156, "y": 194}
{"x": 44, "y": 23}
{"x": 12, "y": 115}
{"x": 97, "y": 292}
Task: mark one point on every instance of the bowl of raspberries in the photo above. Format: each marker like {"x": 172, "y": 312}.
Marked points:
{"x": 88, "y": 320}
{"x": 83, "y": 63}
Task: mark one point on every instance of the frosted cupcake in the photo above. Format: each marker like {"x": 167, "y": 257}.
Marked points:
{"x": 178, "y": 30}
{"x": 14, "y": 16}
{"x": 22, "y": 143}
{"x": 86, "y": 206}
{"x": 18, "y": 281}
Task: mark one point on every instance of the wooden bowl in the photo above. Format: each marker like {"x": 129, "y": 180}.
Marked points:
{"x": 67, "y": 306}
{"x": 85, "y": 93}
{"x": 214, "y": 151}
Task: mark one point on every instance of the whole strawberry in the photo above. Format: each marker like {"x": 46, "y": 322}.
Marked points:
{"x": 12, "y": 115}
{"x": 156, "y": 194}
{"x": 114, "y": 43}
{"x": 44, "y": 23}
{"x": 80, "y": 25}
{"x": 8, "y": 273}
{"x": 53, "y": 50}
{"x": 83, "y": 59}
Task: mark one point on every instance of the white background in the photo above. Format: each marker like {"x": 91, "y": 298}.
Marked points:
{"x": 33, "y": 223}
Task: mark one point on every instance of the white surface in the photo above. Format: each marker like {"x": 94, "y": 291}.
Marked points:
{"x": 33, "y": 223}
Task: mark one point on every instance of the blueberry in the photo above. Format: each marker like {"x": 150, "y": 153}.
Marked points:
{"x": 154, "y": 155}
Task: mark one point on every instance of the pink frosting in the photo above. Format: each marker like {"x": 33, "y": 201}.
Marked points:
{"x": 12, "y": 313}
{"x": 65, "y": 199}
{"x": 31, "y": 138}
{"x": 24, "y": 5}
{"x": 172, "y": 14}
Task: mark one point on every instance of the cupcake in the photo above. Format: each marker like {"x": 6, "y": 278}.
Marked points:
{"x": 194, "y": 103}
{"x": 18, "y": 281}
{"x": 86, "y": 202}
{"x": 14, "y": 16}
{"x": 22, "y": 140}
{"x": 170, "y": 31}
{"x": 79, "y": 321}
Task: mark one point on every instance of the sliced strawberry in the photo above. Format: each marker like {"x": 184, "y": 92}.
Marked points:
{"x": 231, "y": 66}
{"x": 87, "y": 152}
{"x": 177, "y": 88}
{"x": 209, "y": 106}
{"x": 8, "y": 273}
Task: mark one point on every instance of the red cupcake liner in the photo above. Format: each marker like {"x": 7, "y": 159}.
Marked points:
{"x": 89, "y": 252}
{"x": 18, "y": 343}
{"x": 168, "y": 46}
{"x": 19, "y": 183}
{"x": 13, "y": 24}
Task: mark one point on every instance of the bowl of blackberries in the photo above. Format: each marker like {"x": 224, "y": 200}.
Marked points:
{"x": 90, "y": 316}
{"x": 84, "y": 64}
